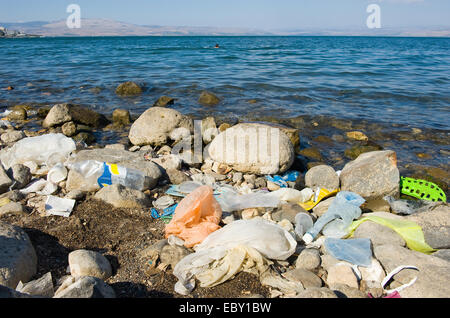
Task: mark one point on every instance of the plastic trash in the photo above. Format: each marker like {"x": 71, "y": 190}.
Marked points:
{"x": 59, "y": 206}
{"x": 334, "y": 223}
{"x": 268, "y": 238}
{"x": 188, "y": 186}
{"x": 407, "y": 207}
{"x": 293, "y": 195}
{"x": 319, "y": 195}
{"x": 422, "y": 189}
{"x": 40, "y": 186}
{"x": 163, "y": 202}
{"x": 290, "y": 176}
{"x": 215, "y": 266}
{"x": 303, "y": 222}
{"x": 166, "y": 215}
{"x": 240, "y": 245}
{"x": 42, "y": 150}
{"x": 103, "y": 174}
{"x": 408, "y": 230}
{"x": 355, "y": 251}
{"x": 231, "y": 201}
{"x": 57, "y": 174}
{"x": 196, "y": 216}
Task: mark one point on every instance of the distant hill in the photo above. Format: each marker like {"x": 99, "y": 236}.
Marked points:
{"x": 104, "y": 27}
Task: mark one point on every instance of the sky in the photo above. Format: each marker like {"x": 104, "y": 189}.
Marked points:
{"x": 256, "y": 14}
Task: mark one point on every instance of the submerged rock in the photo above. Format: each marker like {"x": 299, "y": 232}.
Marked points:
{"x": 208, "y": 99}
{"x": 163, "y": 101}
{"x": 128, "y": 89}
{"x": 121, "y": 117}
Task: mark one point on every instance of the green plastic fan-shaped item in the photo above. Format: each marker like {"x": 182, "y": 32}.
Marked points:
{"x": 421, "y": 189}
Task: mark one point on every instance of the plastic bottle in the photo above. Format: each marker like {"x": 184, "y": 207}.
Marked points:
{"x": 342, "y": 211}
{"x": 104, "y": 174}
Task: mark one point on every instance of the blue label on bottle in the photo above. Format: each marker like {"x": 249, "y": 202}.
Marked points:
{"x": 105, "y": 178}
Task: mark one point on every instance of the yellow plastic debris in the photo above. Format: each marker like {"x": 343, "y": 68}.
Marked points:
{"x": 4, "y": 201}
{"x": 323, "y": 194}
{"x": 408, "y": 230}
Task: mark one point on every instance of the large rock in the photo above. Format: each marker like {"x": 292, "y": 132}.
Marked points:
{"x": 154, "y": 126}
{"x": 122, "y": 197}
{"x": 18, "y": 261}
{"x": 128, "y": 89}
{"x": 435, "y": 224}
{"x": 84, "y": 287}
{"x": 322, "y": 176}
{"x": 132, "y": 160}
{"x": 253, "y": 148}
{"x": 89, "y": 263}
{"x": 432, "y": 277}
{"x": 372, "y": 175}
{"x": 63, "y": 113}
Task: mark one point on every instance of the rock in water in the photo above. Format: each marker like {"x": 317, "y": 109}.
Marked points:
{"x": 372, "y": 175}
{"x": 18, "y": 261}
{"x": 121, "y": 117}
{"x": 208, "y": 99}
{"x": 63, "y": 113}
{"x": 253, "y": 148}
{"x": 154, "y": 126}
{"x": 128, "y": 89}
{"x": 163, "y": 101}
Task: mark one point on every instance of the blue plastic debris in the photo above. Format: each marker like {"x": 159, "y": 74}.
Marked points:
{"x": 355, "y": 251}
{"x": 166, "y": 212}
{"x": 290, "y": 176}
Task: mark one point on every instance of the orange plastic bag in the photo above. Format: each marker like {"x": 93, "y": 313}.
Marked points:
{"x": 196, "y": 216}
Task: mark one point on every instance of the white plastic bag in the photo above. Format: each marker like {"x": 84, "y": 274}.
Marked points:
{"x": 293, "y": 195}
{"x": 43, "y": 150}
{"x": 231, "y": 201}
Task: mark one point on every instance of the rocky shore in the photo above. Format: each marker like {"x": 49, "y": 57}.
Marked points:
{"x": 112, "y": 245}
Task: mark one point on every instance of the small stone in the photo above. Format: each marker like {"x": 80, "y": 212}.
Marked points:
{"x": 342, "y": 274}
{"x": 17, "y": 115}
{"x": 12, "y": 208}
{"x": 21, "y": 175}
{"x": 322, "y": 176}
{"x": 307, "y": 278}
{"x": 357, "y": 135}
{"x": 250, "y": 178}
{"x": 288, "y": 211}
{"x": 378, "y": 205}
{"x": 308, "y": 259}
{"x": 89, "y": 263}
{"x": 171, "y": 255}
{"x": 321, "y": 208}
{"x": 75, "y": 195}
{"x": 12, "y": 136}
{"x": 115, "y": 147}
{"x": 260, "y": 182}
{"x": 272, "y": 186}
{"x": 177, "y": 177}
{"x": 248, "y": 214}
{"x": 237, "y": 177}
{"x": 5, "y": 181}
{"x": 224, "y": 127}
{"x": 69, "y": 129}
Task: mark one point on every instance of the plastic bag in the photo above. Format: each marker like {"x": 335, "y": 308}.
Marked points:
{"x": 268, "y": 238}
{"x": 43, "y": 150}
{"x": 196, "y": 216}
{"x": 319, "y": 195}
{"x": 231, "y": 201}
{"x": 339, "y": 216}
{"x": 293, "y": 195}
{"x": 408, "y": 230}
{"x": 355, "y": 251}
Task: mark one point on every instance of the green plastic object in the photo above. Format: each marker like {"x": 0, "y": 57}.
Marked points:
{"x": 422, "y": 189}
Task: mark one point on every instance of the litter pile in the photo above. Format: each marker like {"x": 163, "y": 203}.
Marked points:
{"x": 228, "y": 218}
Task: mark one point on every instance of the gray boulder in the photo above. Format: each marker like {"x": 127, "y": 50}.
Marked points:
{"x": 322, "y": 176}
{"x": 62, "y": 113}
{"x": 433, "y": 271}
{"x": 89, "y": 263}
{"x": 154, "y": 126}
{"x": 372, "y": 175}
{"x": 253, "y": 148}
{"x": 123, "y": 197}
{"x": 18, "y": 261}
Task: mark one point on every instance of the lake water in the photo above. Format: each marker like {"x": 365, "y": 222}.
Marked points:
{"x": 392, "y": 80}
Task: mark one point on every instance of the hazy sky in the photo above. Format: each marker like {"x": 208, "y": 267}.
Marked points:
{"x": 260, "y": 14}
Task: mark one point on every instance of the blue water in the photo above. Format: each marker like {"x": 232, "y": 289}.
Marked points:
{"x": 394, "y": 80}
